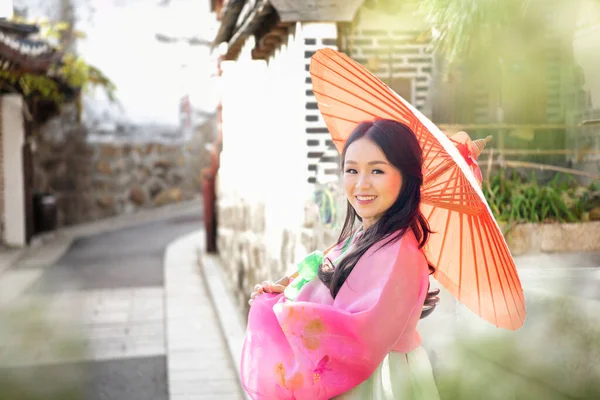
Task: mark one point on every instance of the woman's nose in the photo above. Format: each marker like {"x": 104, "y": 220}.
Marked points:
{"x": 363, "y": 181}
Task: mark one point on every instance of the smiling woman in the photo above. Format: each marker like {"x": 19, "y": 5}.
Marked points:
{"x": 312, "y": 337}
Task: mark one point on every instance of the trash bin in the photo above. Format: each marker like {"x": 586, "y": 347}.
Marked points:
{"x": 45, "y": 212}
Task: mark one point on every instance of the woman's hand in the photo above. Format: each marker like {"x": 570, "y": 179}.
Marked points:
{"x": 269, "y": 287}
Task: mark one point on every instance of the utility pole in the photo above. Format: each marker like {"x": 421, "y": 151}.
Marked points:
{"x": 67, "y": 15}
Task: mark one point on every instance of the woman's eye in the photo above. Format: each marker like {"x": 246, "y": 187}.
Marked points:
{"x": 353, "y": 171}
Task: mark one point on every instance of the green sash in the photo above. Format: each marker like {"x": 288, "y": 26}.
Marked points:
{"x": 308, "y": 269}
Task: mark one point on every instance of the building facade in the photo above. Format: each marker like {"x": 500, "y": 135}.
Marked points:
{"x": 278, "y": 162}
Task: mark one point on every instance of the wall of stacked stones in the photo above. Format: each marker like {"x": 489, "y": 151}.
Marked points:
{"x": 97, "y": 180}
{"x": 250, "y": 253}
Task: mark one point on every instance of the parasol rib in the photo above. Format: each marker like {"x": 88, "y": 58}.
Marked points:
{"x": 379, "y": 89}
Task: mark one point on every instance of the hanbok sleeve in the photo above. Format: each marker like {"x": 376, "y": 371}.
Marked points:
{"x": 304, "y": 350}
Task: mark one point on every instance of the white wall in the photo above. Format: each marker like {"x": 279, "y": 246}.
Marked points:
{"x": 13, "y": 137}
{"x": 264, "y": 162}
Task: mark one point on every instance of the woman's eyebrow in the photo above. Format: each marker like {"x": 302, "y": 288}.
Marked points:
{"x": 369, "y": 163}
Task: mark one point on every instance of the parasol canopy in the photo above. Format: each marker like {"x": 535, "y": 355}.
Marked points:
{"x": 472, "y": 259}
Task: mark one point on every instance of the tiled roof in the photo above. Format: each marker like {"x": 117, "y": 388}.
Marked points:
{"x": 20, "y": 51}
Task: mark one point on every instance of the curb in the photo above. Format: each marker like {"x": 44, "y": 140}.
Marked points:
{"x": 10, "y": 257}
{"x": 228, "y": 315}
{"x": 201, "y": 276}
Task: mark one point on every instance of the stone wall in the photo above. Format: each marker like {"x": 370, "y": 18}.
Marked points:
{"x": 553, "y": 238}
{"x": 250, "y": 253}
{"x": 97, "y": 180}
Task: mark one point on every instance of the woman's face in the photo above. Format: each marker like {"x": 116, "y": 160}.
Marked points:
{"x": 371, "y": 183}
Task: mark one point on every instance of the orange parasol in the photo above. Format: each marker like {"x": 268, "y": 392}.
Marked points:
{"x": 472, "y": 259}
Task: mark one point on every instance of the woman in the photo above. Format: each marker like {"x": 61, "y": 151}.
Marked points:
{"x": 345, "y": 328}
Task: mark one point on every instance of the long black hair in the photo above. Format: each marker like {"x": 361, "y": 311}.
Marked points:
{"x": 401, "y": 148}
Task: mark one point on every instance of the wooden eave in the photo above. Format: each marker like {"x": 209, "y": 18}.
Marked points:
{"x": 229, "y": 15}
{"x": 27, "y": 56}
{"x": 271, "y": 40}
{"x": 264, "y": 24}
{"x": 250, "y": 26}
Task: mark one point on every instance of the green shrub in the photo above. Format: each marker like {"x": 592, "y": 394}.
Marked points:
{"x": 519, "y": 199}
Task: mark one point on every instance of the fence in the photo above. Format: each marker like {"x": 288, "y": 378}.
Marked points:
{"x": 547, "y": 148}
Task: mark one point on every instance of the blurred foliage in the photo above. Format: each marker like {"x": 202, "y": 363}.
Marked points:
{"x": 515, "y": 50}
{"x": 502, "y": 47}
{"x": 469, "y": 29}
{"x": 515, "y": 198}
{"x": 71, "y": 72}
{"x": 552, "y": 357}
{"x": 32, "y": 341}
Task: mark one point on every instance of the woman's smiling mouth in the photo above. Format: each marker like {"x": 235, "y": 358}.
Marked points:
{"x": 365, "y": 199}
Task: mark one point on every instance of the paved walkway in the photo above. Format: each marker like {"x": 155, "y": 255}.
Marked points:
{"x": 109, "y": 311}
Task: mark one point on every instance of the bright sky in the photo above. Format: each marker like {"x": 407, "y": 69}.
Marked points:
{"x": 150, "y": 76}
